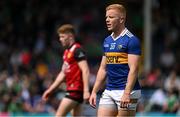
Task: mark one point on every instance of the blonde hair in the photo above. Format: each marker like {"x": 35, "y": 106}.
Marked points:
{"x": 118, "y": 7}
{"x": 66, "y": 28}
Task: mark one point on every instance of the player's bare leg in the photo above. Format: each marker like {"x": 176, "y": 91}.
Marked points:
{"x": 65, "y": 106}
{"x": 76, "y": 111}
{"x": 126, "y": 112}
{"x": 107, "y": 111}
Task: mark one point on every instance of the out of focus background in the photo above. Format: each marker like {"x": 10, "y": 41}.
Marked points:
{"x": 31, "y": 55}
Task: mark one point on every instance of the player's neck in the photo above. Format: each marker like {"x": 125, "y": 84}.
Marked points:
{"x": 116, "y": 33}
{"x": 71, "y": 44}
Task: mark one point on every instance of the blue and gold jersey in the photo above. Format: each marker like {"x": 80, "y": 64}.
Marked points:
{"x": 116, "y": 52}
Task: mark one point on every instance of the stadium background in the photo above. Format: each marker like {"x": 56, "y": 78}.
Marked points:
{"x": 30, "y": 54}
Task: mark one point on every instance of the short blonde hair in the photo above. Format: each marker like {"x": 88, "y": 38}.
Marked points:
{"x": 118, "y": 7}
{"x": 66, "y": 28}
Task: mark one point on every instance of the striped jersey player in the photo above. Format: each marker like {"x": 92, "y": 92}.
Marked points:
{"x": 116, "y": 51}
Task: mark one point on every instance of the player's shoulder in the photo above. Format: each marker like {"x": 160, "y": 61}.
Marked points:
{"x": 130, "y": 36}
{"x": 74, "y": 47}
{"x": 107, "y": 37}
{"x": 77, "y": 45}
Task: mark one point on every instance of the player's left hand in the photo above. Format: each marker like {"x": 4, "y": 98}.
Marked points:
{"x": 125, "y": 100}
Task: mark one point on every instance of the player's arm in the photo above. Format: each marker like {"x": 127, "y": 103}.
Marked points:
{"x": 59, "y": 79}
{"x": 85, "y": 76}
{"x": 101, "y": 75}
{"x": 133, "y": 61}
{"x": 80, "y": 56}
{"x": 131, "y": 80}
{"x": 134, "y": 52}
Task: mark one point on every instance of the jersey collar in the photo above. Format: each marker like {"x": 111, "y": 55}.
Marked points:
{"x": 71, "y": 45}
{"x": 121, "y": 34}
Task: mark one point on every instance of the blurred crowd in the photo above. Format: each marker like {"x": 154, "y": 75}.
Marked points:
{"x": 161, "y": 89}
{"x": 31, "y": 56}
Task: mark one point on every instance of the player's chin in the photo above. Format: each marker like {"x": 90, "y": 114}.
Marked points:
{"x": 109, "y": 29}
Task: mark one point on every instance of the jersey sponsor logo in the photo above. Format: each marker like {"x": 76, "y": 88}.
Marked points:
{"x": 116, "y": 58}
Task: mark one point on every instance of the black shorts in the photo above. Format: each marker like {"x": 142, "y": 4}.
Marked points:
{"x": 75, "y": 95}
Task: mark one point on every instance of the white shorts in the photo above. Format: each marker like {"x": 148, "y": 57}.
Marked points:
{"x": 111, "y": 98}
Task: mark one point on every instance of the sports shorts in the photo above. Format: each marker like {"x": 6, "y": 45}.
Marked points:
{"x": 75, "y": 95}
{"x": 111, "y": 98}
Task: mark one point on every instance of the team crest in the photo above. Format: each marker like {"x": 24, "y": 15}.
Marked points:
{"x": 69, "y": 55}
{"x": 120, "y": 47}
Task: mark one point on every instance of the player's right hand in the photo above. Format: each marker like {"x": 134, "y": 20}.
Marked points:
{"x": 46, "y": 95}
{"x": 92, "y": 100}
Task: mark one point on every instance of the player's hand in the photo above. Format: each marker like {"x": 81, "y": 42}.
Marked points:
{"x": 86, "y": 96}
{"x": 125, "y": 100}
{"x": 92, "y": 100}
{"x": 46, "y": 95}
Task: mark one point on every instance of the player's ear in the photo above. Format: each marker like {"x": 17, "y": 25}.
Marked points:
{"x": 71, "y": 36}
{"x": 122, "y": 20}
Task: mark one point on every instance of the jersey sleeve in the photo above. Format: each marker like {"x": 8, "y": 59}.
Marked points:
{"x": 134, "y": 46}
{"x": 105, "y": 45}
{"x": 79, "y": 54}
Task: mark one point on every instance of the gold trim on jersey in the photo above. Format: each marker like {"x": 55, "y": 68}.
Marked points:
{"x": 116, "y": 58}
